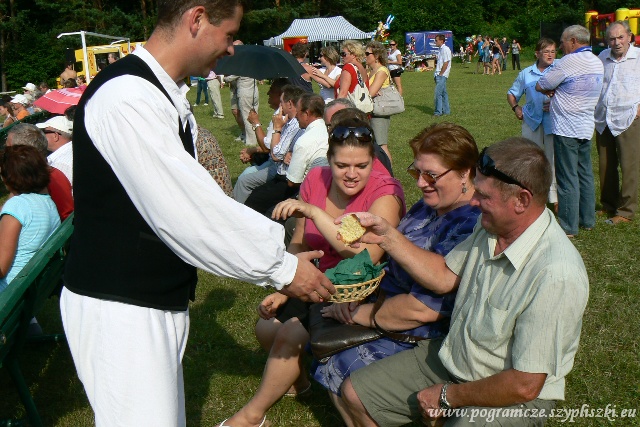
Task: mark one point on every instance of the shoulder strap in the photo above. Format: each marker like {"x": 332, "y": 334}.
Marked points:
{"x": 396, "y": 336}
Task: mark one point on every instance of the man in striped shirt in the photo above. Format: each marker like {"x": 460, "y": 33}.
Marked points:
{"x": 574, "y": 84}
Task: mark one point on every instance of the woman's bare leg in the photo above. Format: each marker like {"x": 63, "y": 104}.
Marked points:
{"x": 283, "y": 370}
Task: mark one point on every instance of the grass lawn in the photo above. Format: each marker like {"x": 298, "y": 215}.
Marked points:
{"x": 223, "y": 362}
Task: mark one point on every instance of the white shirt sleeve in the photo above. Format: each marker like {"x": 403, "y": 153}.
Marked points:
{"x": 135, "y": 129}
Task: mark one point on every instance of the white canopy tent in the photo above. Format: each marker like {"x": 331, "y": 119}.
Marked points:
{"x": 321, "y": 29}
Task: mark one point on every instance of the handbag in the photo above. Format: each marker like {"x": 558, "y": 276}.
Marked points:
{"x": 360, "y": 95}
{"x": 329, "y": 337}
{"x": 388, "y": 102}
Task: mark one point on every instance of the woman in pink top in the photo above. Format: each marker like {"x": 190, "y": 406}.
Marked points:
{"x": 348, "y": 184}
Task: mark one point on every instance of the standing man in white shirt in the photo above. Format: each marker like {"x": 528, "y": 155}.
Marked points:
{"x": 148, "y": 214}
{"x": 58, "y": 131}
{"x": 443, "y": 68}
{"x": 617, "y": 125}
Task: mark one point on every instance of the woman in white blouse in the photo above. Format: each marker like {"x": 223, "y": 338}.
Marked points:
{"x": 327, "y": 77}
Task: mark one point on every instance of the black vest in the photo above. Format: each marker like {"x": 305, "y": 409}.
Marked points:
{"x": 114, "y": 253}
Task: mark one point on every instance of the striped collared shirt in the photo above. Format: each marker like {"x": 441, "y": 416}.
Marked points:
{"x": 577, "y": 81}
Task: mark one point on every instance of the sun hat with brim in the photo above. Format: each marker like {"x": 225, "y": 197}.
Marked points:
{"x": 30, "y": 87}
{"x": 20, "y": 99}
{"x": 58, "y": 123}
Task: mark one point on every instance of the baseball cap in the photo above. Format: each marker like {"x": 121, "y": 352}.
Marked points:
{"x": 20, "y": 99}
{"x": 58, "y": 123}
{"x": 30, "y": 86}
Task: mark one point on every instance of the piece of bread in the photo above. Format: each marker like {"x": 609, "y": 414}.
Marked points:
{"x": 350, "y": 229}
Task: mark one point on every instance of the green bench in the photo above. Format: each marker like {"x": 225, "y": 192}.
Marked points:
{"x": 21, "y": 301}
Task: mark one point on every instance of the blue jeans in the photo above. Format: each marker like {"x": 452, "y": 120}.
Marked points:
{"x": 202, "y": 87}
{"x": 576, "y": 189}
{"x": 442, "y": 97}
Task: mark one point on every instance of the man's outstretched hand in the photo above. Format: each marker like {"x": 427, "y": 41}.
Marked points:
{"x": 309, "y": 283}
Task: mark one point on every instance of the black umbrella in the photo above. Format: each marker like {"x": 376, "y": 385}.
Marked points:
{"x": 259, "y": 62}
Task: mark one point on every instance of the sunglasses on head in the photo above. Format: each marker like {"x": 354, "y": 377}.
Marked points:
{"x": 428, "y": 177}
{"x": 487, "y": 167}
{"x": 340, "y": 133}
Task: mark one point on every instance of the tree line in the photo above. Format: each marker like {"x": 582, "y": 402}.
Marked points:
{"x": 31, "y": 52}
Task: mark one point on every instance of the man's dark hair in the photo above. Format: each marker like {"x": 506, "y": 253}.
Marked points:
{"x": 441, "y": 37}
{"x": 171, "y": 11}
{"x": 313, "y": 104}
{"x": 292, "y": 93}
{"x": 524, "y": 161}
{"x": 300, "y": 50}
{"x": 24, "y": 169}
{"x": 279, "y": 83}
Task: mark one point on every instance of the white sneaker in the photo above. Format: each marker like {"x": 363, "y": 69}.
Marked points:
{"x": 195, "y": 105}
{"x": 206, "y": 103}
{"x": 240, "y": 138}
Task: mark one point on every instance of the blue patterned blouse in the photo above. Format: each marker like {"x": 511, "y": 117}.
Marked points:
{"x": 424, "y": 228}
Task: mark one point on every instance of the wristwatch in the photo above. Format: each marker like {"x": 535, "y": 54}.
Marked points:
{"x": 277, "y": 131}
{"x": 514, "y": 107}
{"x": 444, "y": 403}
{"x": 254, "y": 127}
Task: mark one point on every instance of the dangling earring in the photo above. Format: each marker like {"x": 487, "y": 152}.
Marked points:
{"x": 464, "y": 188}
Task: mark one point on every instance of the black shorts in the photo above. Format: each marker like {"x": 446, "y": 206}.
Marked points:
{"x": 396, "y": 73}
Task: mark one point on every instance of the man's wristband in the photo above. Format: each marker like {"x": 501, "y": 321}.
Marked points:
{"x": 444, "y": 403}
{"x": 514, "y": 107}
{"x": 254, "y": 127}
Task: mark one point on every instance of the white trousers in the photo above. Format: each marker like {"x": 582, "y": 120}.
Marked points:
{"x": 544, "y": 141}
{"x": 129, "y": 360}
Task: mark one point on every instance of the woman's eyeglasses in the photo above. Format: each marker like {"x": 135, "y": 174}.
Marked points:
{"x": 392, "y": 44}
{"x": 428, "y": 177}
{"x": 343, "y": 54}
{"x": 487, "y": 167}
{"x": 340, "y": 133}
{"x": 368, "y": 53}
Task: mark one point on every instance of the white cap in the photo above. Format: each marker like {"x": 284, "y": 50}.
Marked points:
{"x": 20, "y": 99}
{"x": 30, "y": 87}
{"x": 58, "y": 123}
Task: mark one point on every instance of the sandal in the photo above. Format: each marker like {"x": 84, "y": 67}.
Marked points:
{"x": 294, "y": 394}
{"x": 264, "y": 423}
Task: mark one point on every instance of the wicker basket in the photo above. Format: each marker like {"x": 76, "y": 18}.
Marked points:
{"x": 356, "y": 291}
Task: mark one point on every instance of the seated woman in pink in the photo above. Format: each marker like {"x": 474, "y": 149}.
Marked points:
{"x": 348, "y": 184}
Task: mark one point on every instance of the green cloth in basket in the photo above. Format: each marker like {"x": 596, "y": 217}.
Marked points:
{"x": 358, "y": 269}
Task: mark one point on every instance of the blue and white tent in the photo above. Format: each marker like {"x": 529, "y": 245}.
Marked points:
{"x": 321, "y": 29}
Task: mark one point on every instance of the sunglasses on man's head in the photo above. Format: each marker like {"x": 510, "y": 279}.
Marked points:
{"x": 340, "y": 133}
{"x": 428, "y": 177}
{"x": 487, "y": 167}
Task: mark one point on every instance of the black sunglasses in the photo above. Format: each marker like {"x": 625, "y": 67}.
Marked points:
{"x": 340, "y": 133}
{"x": 428, "y": 177}
{"x": 368, "y": 53}
{"x": 392, "y": 44}
{"x": 343, "y": 54}
{"x": 487, "y": 167}
{"x": 46, "y": 131}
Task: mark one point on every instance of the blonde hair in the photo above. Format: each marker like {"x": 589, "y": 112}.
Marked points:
{"x": 355, "y": 48}
{"x": 330, "y": 54}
